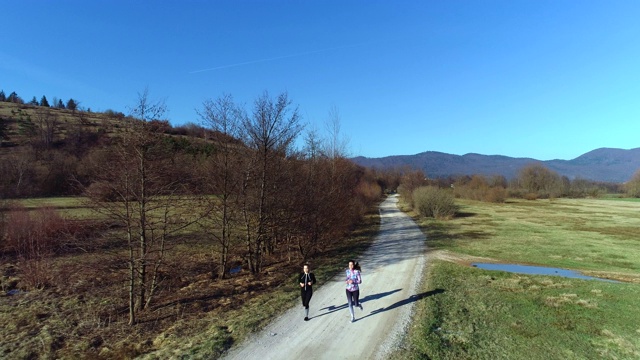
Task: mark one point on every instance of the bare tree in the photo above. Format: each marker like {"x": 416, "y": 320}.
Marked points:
{"x": 537, "y": 179}
{"x": 47, "y": 124}
{"x": 270, "y": 133}
{"x": 337, "y": 144}
{"x": 411, "y": 180}
{"x": 225, "y": 117}
{"x": 19, "y": 172}
{"x": 135, "y": 189}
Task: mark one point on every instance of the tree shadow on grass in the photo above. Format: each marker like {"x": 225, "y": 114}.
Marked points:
{"x": 463, "y": 214}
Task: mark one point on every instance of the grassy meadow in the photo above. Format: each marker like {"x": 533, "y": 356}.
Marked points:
{"x": 481, "y": 314}
{"x": 68, "y": 207}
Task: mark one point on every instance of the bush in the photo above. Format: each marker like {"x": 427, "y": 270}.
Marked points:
{"x": 480, "y": 189}
{"x": 433, "y": 202}
{"x": 632, "y": 187}
{"x": 496, "y": 195}
{"x": 101, "y": 191}
{"x": 33, "y": 237}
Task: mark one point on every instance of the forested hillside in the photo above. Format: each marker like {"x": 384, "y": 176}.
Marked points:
{"x": 51, "y": 151}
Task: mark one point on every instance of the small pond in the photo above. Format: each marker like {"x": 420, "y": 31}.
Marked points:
{"x": 537, "y": 270}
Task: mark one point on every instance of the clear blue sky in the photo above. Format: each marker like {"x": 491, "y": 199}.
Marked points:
{"x": 541, "y": 79}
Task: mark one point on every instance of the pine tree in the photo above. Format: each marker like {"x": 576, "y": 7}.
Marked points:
{"x": 72, "y": 105}
{"x": 14, "y": 98}
{"x": 3, "y": 97}
{"x": 44, "y": 102}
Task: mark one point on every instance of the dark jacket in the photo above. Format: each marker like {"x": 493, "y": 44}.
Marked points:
{"x": 305, "y": 281}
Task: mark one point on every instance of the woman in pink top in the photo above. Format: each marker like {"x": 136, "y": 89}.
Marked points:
{"x": 353, "y": 291}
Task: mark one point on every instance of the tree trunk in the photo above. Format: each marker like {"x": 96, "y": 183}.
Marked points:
{"x": 132, "y": 280}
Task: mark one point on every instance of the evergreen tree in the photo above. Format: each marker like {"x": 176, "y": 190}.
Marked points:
{"x": 33, "y": 101}
{"x": 14, "y": 98}
{"x": 72, "y": 105}
{"x": 44, "y": 102}
{"x": 3, "y": 97}
{"x": 60, "y": 104}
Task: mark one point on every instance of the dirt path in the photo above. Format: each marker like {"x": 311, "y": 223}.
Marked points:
{"x": 391, "y": 269}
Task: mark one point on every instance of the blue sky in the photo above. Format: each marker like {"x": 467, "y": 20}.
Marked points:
{"x": 540, "y": 79}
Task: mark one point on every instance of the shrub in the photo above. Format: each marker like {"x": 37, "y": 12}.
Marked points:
{"x": 479, "y": 188}
{"x": 33, "y": 236}
{"x": 114, "y": 114}
{"x": 496, "y": 195}
{"x": 632, "y": 187}
{"x": 101, "y": 191}
{"x": 431, "y": 201}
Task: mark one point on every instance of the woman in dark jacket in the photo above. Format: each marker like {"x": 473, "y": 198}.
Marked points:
{"x": 306, "y": 280}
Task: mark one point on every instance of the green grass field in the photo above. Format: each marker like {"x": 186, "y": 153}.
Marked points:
{"x": 68, "y": 207}
{"x": 481, "y": 314}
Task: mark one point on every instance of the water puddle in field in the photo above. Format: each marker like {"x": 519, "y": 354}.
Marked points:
{"x": 15, "y": 292}
{"x": 537, "y": 270}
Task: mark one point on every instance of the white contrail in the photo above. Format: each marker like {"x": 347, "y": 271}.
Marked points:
{"x": 272, "y": 59}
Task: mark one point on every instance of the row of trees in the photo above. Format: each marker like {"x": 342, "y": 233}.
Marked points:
{"x": 13, "y": 97}
{"x": 533, "y": 181}
{"x": 435, "y": 198}
{"x": 257, "y": 199}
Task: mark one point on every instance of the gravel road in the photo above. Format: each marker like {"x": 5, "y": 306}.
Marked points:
{"x": 391, "y": 270}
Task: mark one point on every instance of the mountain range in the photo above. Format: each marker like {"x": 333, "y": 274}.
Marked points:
{"x": 604, "y": 164}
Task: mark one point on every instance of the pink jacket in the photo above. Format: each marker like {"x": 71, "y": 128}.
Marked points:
{"x": 355, "y": 279}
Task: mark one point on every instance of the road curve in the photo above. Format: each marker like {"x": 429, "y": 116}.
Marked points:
{"x": 391, "y": 270}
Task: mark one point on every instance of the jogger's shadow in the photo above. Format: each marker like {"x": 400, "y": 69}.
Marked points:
{"x": 378, "y": 295}
{"x": 409, "y": 300}
{"x": 333, "y": 308}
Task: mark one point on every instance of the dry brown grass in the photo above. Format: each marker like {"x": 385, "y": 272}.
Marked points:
{"x": 82, "y": 312}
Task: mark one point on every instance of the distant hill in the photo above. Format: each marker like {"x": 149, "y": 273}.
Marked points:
{"x": 604, "y": 164}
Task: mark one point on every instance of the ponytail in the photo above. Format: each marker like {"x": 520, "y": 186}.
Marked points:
{"x": 356, "y": 265}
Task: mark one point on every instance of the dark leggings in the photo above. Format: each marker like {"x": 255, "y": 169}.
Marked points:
{"x": 306, "y": 297}
{"x": 353, "y": 297}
